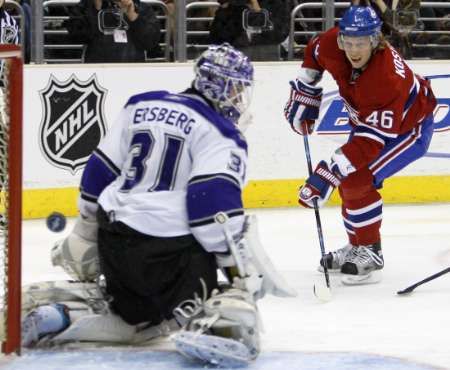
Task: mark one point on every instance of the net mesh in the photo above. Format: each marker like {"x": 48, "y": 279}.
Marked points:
{"x": 4, "y": 201}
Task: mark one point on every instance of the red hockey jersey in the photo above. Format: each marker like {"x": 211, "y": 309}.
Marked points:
{"x": 386, "y": 100}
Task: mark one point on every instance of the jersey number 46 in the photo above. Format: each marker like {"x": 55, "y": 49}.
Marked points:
{"x": 383, "y": 119}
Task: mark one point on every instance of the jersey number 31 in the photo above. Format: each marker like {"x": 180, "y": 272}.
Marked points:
{"x": 141, "y": 149}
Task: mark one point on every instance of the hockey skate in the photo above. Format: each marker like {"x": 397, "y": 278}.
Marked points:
{"x": 335, "y": 260}
{"x": 363, "y": 265}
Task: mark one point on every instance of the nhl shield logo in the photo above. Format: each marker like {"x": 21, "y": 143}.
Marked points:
{"x": 73, "y": 122}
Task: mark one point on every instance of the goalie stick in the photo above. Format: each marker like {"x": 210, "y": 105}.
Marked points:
{"x": 322, "y": 292}
{"x": 426, "y": 280}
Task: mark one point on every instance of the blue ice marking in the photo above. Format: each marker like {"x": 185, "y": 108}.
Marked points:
{"x": 142, "y": 359}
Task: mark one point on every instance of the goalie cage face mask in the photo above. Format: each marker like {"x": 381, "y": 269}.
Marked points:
{"x": 224, "y": 76}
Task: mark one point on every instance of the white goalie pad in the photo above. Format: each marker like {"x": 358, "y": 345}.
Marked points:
{"x": 97, "y": 328}
{"x": 48, "y": 292}
{"x": 110, "y": 328}
{"x": 145, "y": 333}
{"x": 254, "y": 265}
{"x": 211, "y": 349}
{"x": 230, "y": 314}
{"x": 77, "y": 254}
{"x": 91, "y": 320}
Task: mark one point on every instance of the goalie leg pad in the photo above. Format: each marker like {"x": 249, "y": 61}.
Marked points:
{"x": 234, "y": 305}
{"x": 111, "y": 328}
{"x": 97, "y": 328}
{"x": 48, "y": 292}
{"x": 77, "y": 256}
{"x": 230, "y": 315}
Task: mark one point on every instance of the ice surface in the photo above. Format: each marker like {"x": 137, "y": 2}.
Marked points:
{"x": 363, "y": 327}
{"x": 161, "y": 360}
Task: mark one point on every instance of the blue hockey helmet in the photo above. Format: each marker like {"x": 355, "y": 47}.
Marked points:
{"x": 224, "y": 76}
{"x": 360, "y": 21}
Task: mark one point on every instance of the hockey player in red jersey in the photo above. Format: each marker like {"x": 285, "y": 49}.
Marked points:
{"x": 390, "y": 110}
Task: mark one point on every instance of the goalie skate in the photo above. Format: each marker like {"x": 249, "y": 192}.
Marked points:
{"x": 211, "y": 349}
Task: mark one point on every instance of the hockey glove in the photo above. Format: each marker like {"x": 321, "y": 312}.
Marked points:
{"x": 303, "y": 106}
{"x": 320, "y": 185}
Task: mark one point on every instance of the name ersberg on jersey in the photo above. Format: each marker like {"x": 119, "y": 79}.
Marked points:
{"x": 163, "y": 115}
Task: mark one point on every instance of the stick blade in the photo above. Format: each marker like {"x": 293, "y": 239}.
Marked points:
{"x": 322, "y": 292}
{"x": 406, "y": 291}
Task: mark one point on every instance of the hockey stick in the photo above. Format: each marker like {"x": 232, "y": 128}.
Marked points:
{"x": 321, "y": 292}
{"x": 426, "y": 280}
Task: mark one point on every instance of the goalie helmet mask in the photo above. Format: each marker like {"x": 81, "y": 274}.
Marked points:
{"x": 360, "y": 21}
{"x": 224, "y": 76}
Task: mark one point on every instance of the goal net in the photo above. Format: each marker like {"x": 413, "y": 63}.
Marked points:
{"x": 10, "y": 195}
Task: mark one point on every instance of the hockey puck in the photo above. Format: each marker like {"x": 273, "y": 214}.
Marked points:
{"x": 56, "y": 222}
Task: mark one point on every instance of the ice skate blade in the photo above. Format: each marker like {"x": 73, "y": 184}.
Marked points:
{"x": 371, "y": 278}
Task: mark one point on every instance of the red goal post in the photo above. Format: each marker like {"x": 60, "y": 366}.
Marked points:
{"x": 11, "y": 72}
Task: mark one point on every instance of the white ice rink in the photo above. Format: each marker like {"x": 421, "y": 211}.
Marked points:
{"x": 364, "y": 327}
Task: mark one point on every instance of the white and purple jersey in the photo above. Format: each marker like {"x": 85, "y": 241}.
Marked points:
{"x": 166, "y": 166}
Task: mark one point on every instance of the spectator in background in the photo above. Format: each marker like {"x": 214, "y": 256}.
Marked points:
{"x": 440, "y": 41}
{"x": 9, "y": 31}
{"x": 399, "y": 18}
{"x": 203, "y": 13}
{"x": 10, "y": 28}
{"x": 444, "y": 39}
{"x": 115, "y": 30}
{"x": 256, "y": 27}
